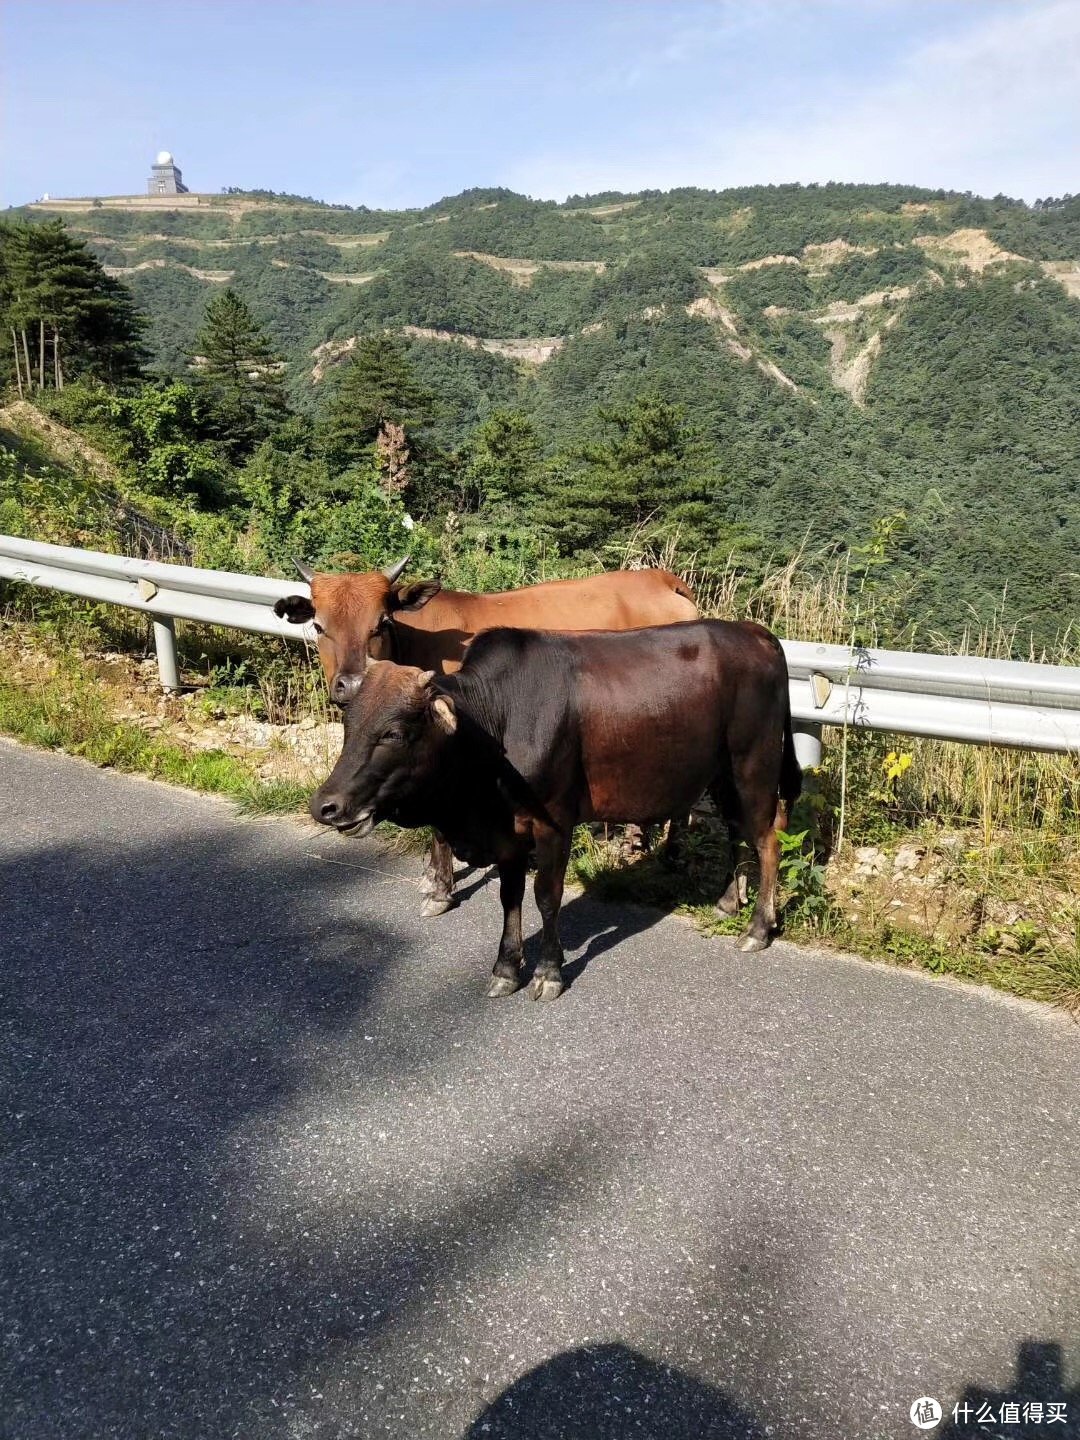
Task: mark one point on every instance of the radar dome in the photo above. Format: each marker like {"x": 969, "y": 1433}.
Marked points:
{"x": 164, "y": 158}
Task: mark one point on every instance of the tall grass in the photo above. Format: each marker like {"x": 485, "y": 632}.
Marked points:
{"x": 824, "y": 598}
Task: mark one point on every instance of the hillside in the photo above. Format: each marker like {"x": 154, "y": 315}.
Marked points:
{"x": 838, "y": 355}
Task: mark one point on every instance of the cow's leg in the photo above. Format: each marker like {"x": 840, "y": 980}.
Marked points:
{"x": 726, "y": 799}
{"x": 440, "y": 882}
{"x": 757, "y": 799}
{"x": 736, "y": 894}
{"x": 674, "y": 846}
{"x": 552, "y": 854}
{"x": 506, "y": 976}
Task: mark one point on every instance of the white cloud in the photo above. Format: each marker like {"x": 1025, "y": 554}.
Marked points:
{"x": 995, "y": 107}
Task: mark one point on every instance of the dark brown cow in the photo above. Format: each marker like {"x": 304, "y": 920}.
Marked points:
{"x": 540, "y": 731}
{"x": 375, "y": 616}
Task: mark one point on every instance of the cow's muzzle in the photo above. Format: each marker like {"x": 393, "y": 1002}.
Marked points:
{"x": 334, "y": 810}
{"x": 345, "y": 687}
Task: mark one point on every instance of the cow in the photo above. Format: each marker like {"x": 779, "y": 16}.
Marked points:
{"x": 358, "y": 617}
{"x": 539, "y": 731}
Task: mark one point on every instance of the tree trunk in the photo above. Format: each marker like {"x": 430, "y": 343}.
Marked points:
{"x": 26, "y": 357}
{"x": 41, "y": 356}
{"x": 18, "y": 362}
{"x": 57, "y": 372}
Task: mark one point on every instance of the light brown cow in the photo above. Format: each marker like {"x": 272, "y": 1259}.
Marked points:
{"x": 376, "y": 616}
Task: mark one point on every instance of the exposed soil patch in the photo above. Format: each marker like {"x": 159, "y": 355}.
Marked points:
{"x": 851, "y": 371}
{"x": 523, "y": 271}
{"x": 1065, "y": 272}
{"x": 530, "y": 351}
{"x": 770, "y": 260}
{"x": 819, "y": 258}
{"x": 973, "y": 249}
{"x": 710, "y": 308}
{"x": 216, "y": 277}
{"x": 603, "y": 210}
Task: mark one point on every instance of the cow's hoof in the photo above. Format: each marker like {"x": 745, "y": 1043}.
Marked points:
{"x": 750, "y": 943}
{"x": 728, "y": 906}
{"x": 545, "y": 989}
{"x": 503, "y": 985}
{"x": 437, "y": 905}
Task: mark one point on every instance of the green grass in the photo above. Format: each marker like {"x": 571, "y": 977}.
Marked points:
{"x": 71, "y": 714}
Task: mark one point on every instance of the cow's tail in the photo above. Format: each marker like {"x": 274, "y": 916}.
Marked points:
{"x": 790, "y": 775}
{"x": 682, "y": 588}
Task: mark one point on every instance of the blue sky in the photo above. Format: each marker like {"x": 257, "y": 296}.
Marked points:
{"x": 399, "y": 104}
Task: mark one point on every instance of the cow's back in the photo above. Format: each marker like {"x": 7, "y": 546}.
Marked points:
{"x": 627, "y": 726}
{"x": 435, "y": 637}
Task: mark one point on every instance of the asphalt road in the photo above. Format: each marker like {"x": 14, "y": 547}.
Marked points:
{"x": 273, "y": 1166}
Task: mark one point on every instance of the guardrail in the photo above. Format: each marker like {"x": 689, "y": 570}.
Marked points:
{"x": 945, "y": 697}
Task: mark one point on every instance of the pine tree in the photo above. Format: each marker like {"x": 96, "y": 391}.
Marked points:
{"x": 66, "y": 317}
{"x": 375, "y": 388}
{"x": 502, "y": 459}
{"x": 238, "y": 376}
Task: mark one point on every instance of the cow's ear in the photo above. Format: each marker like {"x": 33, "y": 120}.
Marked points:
{"x": 297, "y": 609}
{"x": 444, "y": 714}
{"x": 415, "y": 595}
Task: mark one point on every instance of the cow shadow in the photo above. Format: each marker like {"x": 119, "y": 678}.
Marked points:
{"x": 592, "y": 928}
{"x": 606, "y": 1392}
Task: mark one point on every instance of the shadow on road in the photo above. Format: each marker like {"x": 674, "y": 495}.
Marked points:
{"x": 182, "y": 1255}
{"x": 592, "y": 928}
{"x": 609, "y": 1392}
{"x": 1035, "y": 1404}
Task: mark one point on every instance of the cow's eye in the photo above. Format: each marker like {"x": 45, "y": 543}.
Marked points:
{"x": 318, "y": 628}
{"x": 392, "y": 736}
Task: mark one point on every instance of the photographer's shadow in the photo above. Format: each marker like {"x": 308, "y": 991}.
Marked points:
{"x": 608, "y": 1392}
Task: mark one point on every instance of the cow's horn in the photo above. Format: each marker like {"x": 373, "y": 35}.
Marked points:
{"x": 393, "y": 571}
{"x": 307, "y": 573}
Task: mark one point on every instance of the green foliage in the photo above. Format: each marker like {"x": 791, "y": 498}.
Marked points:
{"x": 785, "y": 285}
{"x": 644, "y": 470}
{"x": 237, "y": 376}
{"x": 52, "y": 289}
{"x": 373, "y": 388}
{"x": 887, "y": 269}
{"x": 802, "y": 878}
{"x": 501, "y": 461}
{"x": 45, "y": 502}
{"x": 158, "y": 427}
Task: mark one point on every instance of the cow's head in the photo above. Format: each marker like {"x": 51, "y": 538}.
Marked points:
{"x": 395, "y": 727}
{"x": 353, "y": 617}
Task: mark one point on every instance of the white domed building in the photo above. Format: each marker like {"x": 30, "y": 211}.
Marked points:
{"x": 165, "y": 177}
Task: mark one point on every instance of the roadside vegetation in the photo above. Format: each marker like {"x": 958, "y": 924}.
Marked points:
{"x": 934, "y": 510}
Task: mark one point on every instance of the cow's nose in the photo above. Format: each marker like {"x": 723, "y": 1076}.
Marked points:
{"x": 325, "y": 808}
{"x": 344, "y": 688}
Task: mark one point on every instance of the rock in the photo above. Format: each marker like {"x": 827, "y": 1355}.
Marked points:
{"x": 907, "y": 857}
{"x": 870, "y": 860}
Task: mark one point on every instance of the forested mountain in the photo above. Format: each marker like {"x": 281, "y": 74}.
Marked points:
{"x": 886, "y": 368}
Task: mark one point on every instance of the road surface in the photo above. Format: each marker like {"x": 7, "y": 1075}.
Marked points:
{"x": 273, "y": 1167}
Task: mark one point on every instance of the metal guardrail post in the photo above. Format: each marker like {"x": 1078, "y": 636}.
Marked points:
{"x": 165, "y": 645}
{"x": 807, "y": 744}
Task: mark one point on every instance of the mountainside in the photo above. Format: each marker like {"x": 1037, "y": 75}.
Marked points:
{"x": 841, "y": 354}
